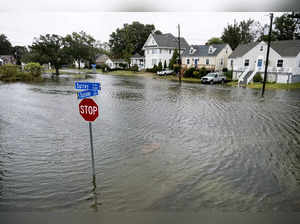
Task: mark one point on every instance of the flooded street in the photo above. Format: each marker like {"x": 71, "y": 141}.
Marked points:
{"x": 159, "y": 146}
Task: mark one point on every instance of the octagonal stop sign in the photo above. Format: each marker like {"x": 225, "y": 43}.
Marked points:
{"x": 88, "y": 109}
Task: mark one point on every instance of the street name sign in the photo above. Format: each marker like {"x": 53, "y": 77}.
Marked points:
{"x": 88, "y": 85}
{"x": 87, "y": 93}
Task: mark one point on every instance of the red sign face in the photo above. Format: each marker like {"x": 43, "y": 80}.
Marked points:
{"x": 88, "y": 109}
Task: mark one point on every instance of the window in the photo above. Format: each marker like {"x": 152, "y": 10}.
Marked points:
{"x": 170, "y": 51}
{"x": 299, "y": 64}
{"x": 221, "y": 61}
{"x": 188, "y": 61}
{"x": 226, "y": 50}
{"x": 280, "y": 63}
{"x": 261, "y": 48}
{"x": 231, "y": 63}
{"x": 160, "y": 51}
{"x": 153, "y": 51}
{"x": 196, "y": 61}
{"x": 246, "y": 62}
{"x": 207, "y": 61}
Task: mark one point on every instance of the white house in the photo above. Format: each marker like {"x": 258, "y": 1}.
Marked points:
{"x": 1, "y": 62}
{"x": 284, "y": 61}
{"x": 115, "y": 63}
{"x": 212, "y": 57}
{"x": 138, "y": 60}
{"x": 160, "y": 48}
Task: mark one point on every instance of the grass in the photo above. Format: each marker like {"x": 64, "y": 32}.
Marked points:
{"x": 257, "y": 85}
{"x": 175, "y": 78}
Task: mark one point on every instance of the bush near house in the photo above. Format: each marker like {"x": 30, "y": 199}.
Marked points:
{"x": 13, "y": 73}
{"x": 159, "y": 67}
{"x": 228, "y": 75}
{"x": 257, "y": 78}
{"x": 189, "y": 72}
{"x": 203, "y": 72}
{"x": 33, "y": 68}
{"x": 134, "y": 68}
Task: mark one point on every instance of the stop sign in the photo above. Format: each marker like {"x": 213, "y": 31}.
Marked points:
{"x": 88, "y": 109}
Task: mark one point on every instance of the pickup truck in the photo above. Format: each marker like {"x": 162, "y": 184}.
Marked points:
{"x": 165, "y": 72}
{"x": 213, "y": 77}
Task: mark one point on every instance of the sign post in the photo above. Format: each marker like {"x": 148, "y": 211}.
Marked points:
{"x": 88, "y": 109}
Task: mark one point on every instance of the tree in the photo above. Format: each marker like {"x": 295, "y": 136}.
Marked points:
{"x": 241, "y": 33}
{"x": 174, "y": 59}
{"x": 286, "y": 27}
{"x": 214, "y": 40}
{"x": 5, "y": 45}
{"x": 19, "y": 52}
{"x": 81, "y": 47}
{"x": 130, "y": 39}
{"x": 159, "y": 67}
{"x": 165, "y": 64}
{"x": 50, "y": 48}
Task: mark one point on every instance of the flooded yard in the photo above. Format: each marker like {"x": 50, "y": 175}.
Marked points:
{"x": 159, "y": 146}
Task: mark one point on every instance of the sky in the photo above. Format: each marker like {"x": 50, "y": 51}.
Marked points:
{"x": 21, "y": 21}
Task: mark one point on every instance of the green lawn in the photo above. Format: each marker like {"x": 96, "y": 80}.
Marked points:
{"x": 268, "y": 85}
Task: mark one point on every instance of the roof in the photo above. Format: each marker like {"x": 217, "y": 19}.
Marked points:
{"x": 286, "y": 48}
{"x": 168, "y": 40}
{"x": 202, "y": 50}
{"x": 137, "y": 55}
{"x": 242, "y": 49}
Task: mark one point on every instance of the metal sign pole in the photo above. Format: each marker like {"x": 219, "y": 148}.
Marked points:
{"x": 92, "y": 151}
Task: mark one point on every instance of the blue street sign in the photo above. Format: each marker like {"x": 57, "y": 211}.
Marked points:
{"x": 88, "y": 85}
{"x": 86, "y": 94}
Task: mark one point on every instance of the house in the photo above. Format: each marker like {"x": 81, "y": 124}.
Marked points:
{"x": 212, "y": 57}
{"x": 101, "y": 59}
{"x": 138, "y": 60}
{"x": 247, "y": 60}
{"x": 7, "y": 59}
{"x": 160, "y": 48}
{"x": 116, "y": 63}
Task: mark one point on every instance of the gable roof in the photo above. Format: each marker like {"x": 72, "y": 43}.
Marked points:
{"x": 202, "y": 50}
{"x": 286, "y": 48}
{"x": 242, "y": 49}
{"x": 168, "y": 40}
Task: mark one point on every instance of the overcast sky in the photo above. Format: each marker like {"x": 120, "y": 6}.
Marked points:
{"x": 21, "y": 21}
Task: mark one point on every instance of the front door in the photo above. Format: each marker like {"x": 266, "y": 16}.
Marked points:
{"x": 259, "y": 63}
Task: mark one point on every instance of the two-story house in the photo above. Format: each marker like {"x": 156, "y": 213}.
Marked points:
{"x": 212, "y": 57}
{"x": 284, "y": 61}
{"x": 160, "y": 48}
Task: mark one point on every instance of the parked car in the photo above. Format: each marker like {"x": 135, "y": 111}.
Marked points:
{"x": 165, "y": 72}
{"x": 213, "y": 77}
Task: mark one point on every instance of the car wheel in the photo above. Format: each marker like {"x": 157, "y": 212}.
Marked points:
{"x": 222, "y": 81}
{"x": 211, "y": 82}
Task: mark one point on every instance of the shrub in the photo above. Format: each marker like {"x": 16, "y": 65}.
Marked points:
{"x": 228, "y": 75}
{"x": 159, "y": 67}
{"x": 224, "y": 70}
{"x": 165, "y": 64}
{"x": 189, "y": 72}
{"x": 257, "y": 78}
{"x": 8, "y": 70}
{"x": 176, "y": 68}
{"x": 134, "y": 68}
{"x": 196, "y": 74}
{"x": 202, "y": 72}
{"x": 33, "y": 68}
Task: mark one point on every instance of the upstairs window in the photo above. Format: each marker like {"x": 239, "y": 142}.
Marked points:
{"x": 160, "y": 51}
{"x": 188, "y": 61}
{"x": 246, "y": 62}
{"x": 170, "y": 51}
{"x": 231, "y": 63}
{"x": 280, "y": 63}
{"x": 207, "y": 61}
{"x": 261, "y": 48}
{"x": 221, "y": 61}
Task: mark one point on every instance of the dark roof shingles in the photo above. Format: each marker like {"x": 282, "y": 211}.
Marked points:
{"x": 168, "y": 40}
{"x": 202, "y": 50}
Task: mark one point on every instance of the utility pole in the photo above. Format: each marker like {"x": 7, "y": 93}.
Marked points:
{"x": 179, "y": 62}
{"x": 267, "y": 59}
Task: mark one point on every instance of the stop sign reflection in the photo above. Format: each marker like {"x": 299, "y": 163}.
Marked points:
{"x": 88, "y": 109}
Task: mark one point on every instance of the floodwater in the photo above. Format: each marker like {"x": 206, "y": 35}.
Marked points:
{"x": 159, "y": 146}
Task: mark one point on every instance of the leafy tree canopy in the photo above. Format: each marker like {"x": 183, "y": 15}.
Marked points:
{"x": 130, "y": 39}
{"x": 50, "y": 48}
{"x": 5, "y": 45}
{"x": 214, "y": 40}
